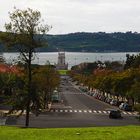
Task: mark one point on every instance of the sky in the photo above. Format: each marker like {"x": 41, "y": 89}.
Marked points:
{"x": 68, "y": 16}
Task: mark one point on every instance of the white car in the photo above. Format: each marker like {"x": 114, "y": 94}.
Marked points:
{"x": 121, "y": 106}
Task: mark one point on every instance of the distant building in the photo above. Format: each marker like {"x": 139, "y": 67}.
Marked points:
{"x": 61, "y": 64}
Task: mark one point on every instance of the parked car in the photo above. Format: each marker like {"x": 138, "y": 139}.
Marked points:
{"x": 103, "y": 98}
{"x": 115, "y": 114}
{"x": 119, "y": 103}
{"x": 83, "y": 89}
{"x": 95, "y": 95}
{"x": 91, "y": 93}
{"x": 128, "y": 108}
{"x": 108, "y": 100}
{"x": 113, "y": 102}
{"x": 125, "y": 107}
{"x": 88, "y": 92}
{"x": 99, "y": 97}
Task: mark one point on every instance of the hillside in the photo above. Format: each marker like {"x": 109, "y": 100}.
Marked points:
{"x": 93, "y": 42}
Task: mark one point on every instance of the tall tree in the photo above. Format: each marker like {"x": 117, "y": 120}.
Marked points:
{"x": 25, "y": 33}
{"x": 47, "y": 79}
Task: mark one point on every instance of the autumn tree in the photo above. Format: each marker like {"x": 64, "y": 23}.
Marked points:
{"x": 24, "y": 34}
{"x": 46, "y": 79}
{"x": 134, "y": 92}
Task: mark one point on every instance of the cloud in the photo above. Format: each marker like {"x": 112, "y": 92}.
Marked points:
{"x": 81, "y": 15}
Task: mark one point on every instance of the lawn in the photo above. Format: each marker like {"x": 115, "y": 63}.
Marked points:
{"x": 63, "y": 72}
{"x": 96, "y": 133}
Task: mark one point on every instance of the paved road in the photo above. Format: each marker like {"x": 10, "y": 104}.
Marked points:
{"x": 77, "y": 110}
{"x": 55, "y": 120}
{"x": 79, "y": 100}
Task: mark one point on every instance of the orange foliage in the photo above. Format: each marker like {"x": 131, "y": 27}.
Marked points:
{"x": 10, "y": 69}
{"x": 101, "y": 72}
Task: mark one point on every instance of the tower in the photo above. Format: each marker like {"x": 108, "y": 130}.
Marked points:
{"x": 61, "y": 58}
{"x": 61, "y": 64}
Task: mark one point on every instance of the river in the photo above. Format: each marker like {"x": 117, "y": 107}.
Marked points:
{"x": 72, "y": 58}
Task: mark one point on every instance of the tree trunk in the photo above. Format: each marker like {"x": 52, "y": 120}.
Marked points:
{"x": 45, "y": 100}
{"x": 29, "y": 90}
{"x": 27, "y": 113}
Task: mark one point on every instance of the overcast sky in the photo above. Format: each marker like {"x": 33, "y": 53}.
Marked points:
{"x": 67, "y": 16}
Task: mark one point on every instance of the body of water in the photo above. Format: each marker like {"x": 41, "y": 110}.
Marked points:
{"x": 72, "y": 58}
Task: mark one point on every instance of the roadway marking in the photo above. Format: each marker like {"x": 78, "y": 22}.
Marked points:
{"x": 99, "y": 111}
{"x": 129, "y": 113}
{"x": 61, "y": 110}
{"x": 135, "y": 113}
{"x": 85, "y": 111}
{"x": 124, "y": 112}
{"x": 105, "y": 112}
{"x": 89, "y": 111}
{"x": 66, "y": 110}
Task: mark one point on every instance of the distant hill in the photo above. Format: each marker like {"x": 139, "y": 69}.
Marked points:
{"x": 93, "y": 42}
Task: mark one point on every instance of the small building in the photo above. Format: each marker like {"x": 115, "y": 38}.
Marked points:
{"x": 61, "y": 64}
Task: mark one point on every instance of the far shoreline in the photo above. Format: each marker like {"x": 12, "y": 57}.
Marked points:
{"x": 79, "y": 52}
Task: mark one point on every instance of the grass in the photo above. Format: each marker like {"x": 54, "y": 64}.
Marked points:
{"x": 96, "y": 133}
{"x": 63, "y": 72}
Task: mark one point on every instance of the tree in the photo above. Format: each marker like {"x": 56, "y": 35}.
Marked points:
{"x": 46, "y": 79}
{"x": 132, "y": 61}
{"x": 135, "y": 92}
{"x": 129, "y": 61}
{"x": 11, "y": 91}
{"x": 106, "y": 84}
{"x": 24, "y": 34}
{"x": 7, "y": 83}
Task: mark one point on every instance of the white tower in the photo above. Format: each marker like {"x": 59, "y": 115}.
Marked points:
{"x": 61, "y": 58}
{"x": 61, "y": 64}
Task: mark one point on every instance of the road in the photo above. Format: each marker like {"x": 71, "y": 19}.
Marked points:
{"x": 73, "y": 97}
{"x": 77, "y": 110}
